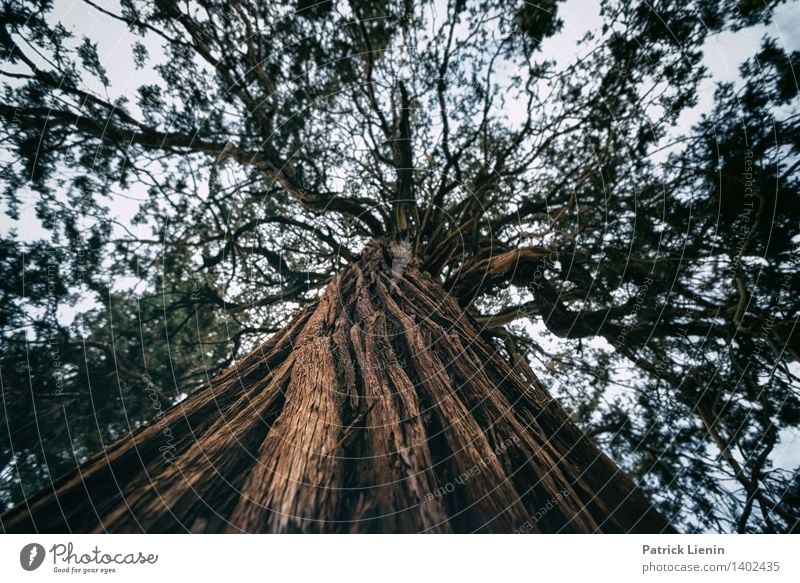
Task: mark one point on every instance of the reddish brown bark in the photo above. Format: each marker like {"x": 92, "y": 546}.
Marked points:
{"x": 379, "y": 408}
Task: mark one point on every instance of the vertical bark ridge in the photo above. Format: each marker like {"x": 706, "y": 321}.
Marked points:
{"x": 379, "y": 408}
{"x": 496, "y": 416}
{"x": 396, "y": 460}
{"x": 296, "y": 483}
{"x": 470, "y": 449}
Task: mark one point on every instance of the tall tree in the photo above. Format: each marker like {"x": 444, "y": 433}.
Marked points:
{"x": 348, "y": 216}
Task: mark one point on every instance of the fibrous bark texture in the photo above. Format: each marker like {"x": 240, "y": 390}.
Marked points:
{"x": 379, "y": 408}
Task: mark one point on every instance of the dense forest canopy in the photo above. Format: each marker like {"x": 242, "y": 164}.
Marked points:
{"x": 646, "y": 269}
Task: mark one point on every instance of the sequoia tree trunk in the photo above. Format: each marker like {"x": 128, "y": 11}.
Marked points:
{"x": 379, "y": 408}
